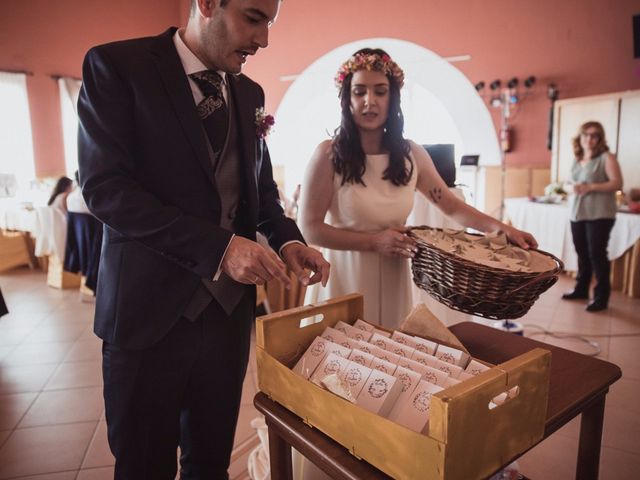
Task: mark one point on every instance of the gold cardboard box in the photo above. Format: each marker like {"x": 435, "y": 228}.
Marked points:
{"x": 466, "y": 439}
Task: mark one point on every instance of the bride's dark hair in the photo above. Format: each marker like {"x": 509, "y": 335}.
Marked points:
{"x": 348, "y": 155}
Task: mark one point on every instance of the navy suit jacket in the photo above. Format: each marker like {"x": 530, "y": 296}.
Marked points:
{"x": 146, "y": 174}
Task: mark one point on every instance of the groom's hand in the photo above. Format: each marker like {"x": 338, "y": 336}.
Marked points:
{"x": 248, "y": 262}
{"x": 299, "y": 257}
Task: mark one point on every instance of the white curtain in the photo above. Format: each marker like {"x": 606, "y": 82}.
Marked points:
{"x": 69, "y": 91}
{"x": 16, "y": 141}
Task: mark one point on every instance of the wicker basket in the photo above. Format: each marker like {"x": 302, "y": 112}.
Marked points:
{"x": 478, "y": 289}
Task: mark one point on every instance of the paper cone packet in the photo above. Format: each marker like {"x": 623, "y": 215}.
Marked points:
{"x": 451, "y": 370}
{"x": 341, "y": 350}
{"x": 338, "y": 386}
{"x": 400, "y": 349}
{"x": 360, "y": 357}
{"x": 316, "y": 352}
{"x": 426, "y": 346}
{"x": 476, "y": 368}
{"x": 413, "y": 366}
{"x": 435, "y": 376}
{"x": 410, "y": 381}
{"x": 352, "y": 332}
{"x": 333, "y": 335}
{"x": 364, "y": 346}
{"x": 424, "y": 359}
{"x": 423, "y": 323}
{"x": 380, "y": 340}
{"x": 385, "y": 355}
{"x": 331, "y": 364}
{"x": 383, "y": 366}
{"x": 362, "y": 325}
{"x": 450, "y": 382}
{"x": 452, "y": 355}
{"x": 379, "y": 393}
{"x": 413, "y": 413}
{"x": 383, "y": 333}
{"x": 404, "y": 339}
{"x": 336, "y": 336}
{"x": 355, "y": 376}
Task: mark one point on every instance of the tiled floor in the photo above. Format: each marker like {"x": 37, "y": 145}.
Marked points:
{"x": 51, "y": 412}
{"x": 51, "y": 409}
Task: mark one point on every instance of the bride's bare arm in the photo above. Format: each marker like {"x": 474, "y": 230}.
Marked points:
{"x": 431, "y": 185}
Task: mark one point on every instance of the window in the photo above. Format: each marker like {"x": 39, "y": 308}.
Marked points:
{"x": 16, "y": 141}
{"x": 69, "y": 91}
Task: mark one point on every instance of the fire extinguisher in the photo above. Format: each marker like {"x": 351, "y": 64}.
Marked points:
{"x": 506, "y": 138}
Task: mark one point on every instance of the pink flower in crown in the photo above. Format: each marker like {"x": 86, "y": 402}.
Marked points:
{"x": 369, "y": 62}
{"x": 264, "y": 122}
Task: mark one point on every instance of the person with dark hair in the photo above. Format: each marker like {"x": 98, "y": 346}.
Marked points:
{"x": 174, "y": 163}
{"x": 3, "y": 306}
{"x": 63, "y": 187}
{"x": 596, "y": 176}
{"x": 363, "y": 181}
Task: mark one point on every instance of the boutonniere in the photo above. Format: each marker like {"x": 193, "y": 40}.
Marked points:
{"x": 264, "y": 122}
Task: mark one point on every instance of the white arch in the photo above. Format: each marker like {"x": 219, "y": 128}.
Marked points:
{"x": 310, "y": 110}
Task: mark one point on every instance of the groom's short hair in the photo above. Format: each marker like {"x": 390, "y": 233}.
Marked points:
{"x": 194, "y": 5}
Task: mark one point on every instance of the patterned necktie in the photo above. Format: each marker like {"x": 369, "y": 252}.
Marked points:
{"x": 212, "y": 109}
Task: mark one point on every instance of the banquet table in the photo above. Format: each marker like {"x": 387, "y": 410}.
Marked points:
{"x": 15, "y": 216}
{"x": 17, "y": 231}
{"x": 549, "y": 223}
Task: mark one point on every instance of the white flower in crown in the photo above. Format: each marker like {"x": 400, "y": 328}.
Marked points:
{"x": 264, "y": 122}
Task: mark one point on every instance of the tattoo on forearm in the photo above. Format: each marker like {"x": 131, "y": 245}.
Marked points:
{"x": 435, "y": 194}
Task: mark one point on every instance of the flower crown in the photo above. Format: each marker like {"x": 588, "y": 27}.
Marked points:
{"x": 370, "y": 62}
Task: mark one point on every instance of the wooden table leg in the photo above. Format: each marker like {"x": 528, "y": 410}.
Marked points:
{"x": 590, "y": 440}
{"x": 280, "y": 456}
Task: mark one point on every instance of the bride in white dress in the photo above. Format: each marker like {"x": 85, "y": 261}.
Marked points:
{"x": 358, "y": 191}
{"x": 359, "y": 187}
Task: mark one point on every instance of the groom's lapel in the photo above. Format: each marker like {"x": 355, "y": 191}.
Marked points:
{"x": 179, "y": 92}
{"x": 245, "y": 107}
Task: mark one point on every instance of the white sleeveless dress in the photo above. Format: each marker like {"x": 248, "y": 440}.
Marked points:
{"x": 384, "y": 281}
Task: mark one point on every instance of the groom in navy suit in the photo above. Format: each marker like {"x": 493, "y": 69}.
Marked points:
{"x": 174, "y": 163}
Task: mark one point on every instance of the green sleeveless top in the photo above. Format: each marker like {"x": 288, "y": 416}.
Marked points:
{"x": 593, "y": 205}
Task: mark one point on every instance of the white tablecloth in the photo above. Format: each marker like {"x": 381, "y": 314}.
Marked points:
{"x": 14, "y": 216}
{"x": 549, "y": 223}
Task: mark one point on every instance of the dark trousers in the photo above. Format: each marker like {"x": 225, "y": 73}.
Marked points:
{"x": 183, "y": 391}
{"x": 590, "y": 239}
{"x": 82, "y": 250}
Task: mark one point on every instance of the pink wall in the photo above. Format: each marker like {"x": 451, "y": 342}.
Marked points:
{"x": 51, "y": 37}
{"x": 585, "y": 46}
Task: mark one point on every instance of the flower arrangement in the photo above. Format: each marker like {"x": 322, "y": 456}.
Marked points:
{"x": 370, "y": 62}
{"x": 264, "y": 122}
{"x": 555, "y": 192}
{"x": 555, "y": 188}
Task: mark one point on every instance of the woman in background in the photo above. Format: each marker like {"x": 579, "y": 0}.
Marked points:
{"x": 596, "y": 177}
{"x": 363, "y": 180}
{"x": 58, "y": 198}
{"x": 3, "y": 306}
